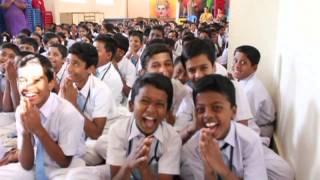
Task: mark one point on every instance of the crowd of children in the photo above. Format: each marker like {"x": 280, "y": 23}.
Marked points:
{"x": 136, "y": 100}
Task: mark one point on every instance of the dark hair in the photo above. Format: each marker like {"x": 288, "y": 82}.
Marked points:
{"x": 198, "y": 47}
{"x": 25, "y": 31}
{"x": 251, "y": 52}
{"x": 136, "y": 33}
{"x": 122, "y": 42}
{"x": 216, "y": 83}
{"x": 108, "y": 26}
{"x": 11, "y": 46}
{"x": 158, "y": 28}
{"x": 85, "y": 52}
{"x": 85, "y": 27}
{"x": 62, "y": 49}
{"x": 36, "y": 34}
{"x": 157, "y": 80}
{"x": 175, "y": 32}
{"x": 151, "y": 50}
{"x": 44, "y": 62}
{"x": 30, "y": 41}
{"x": 110, "y": 45}
{"x": 49, "y": 35}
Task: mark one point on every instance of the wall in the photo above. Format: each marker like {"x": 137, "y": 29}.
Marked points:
{"x": 118, "y": 10}
{"x": 287, "y": 34}
{"x": 138, "y": 8}
{"x": 298, "y": 86}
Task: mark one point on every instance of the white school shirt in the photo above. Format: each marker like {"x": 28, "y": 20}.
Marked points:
{"x": 127, "y": 70}
{"x": 185, "y": 113}
{"x": 100, "y": 102}
{"x": 179, "y": 92}
{"x": 63, "y": 73}
{"x": 246, "y": 158}
{"x": 261, "y": 104}
{"x": 64, "y": 124}
{"x": 108, "y": 74}
{"x": 221, "y": 70}
{"x": 168, "y": 150}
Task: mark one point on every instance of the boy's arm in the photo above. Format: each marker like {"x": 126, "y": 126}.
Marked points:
{"x": 26, "y": 154}
{"x": 13, "y": 93}
{"x": 32, "y": 123}
{"x": 94, "y": 129}
{"x": 120, "y": 172}
{"x": 52, "y": 148}
{"x": 6, "y": 99}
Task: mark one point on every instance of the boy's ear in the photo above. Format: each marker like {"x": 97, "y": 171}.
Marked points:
{"x": 234, "y": 110}
{"x": 92, "y": 69}
{"x": 131, "y": 107}
{"x": 52, "y": 84}
{"x": 255, "y": 67}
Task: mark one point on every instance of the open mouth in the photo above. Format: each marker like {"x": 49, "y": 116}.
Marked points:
{"x": 212, "y": 126}
{"x": 29, "y": 95}
{"x": 149, "y": 122}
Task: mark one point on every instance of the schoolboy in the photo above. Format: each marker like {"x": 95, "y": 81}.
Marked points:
{"x": 145, "y": 146}
{"x": 222, "y": 149}
{"x": 157, "y": 58}
{"x": 142, "y": 146}
{"x": 199, "y": 60}
{"x": 49, "y": 39}
{"x": 106, "y": 72}
{"x": 29, "y": 44}
{"x": 8, "y": 77}
{"x": 135, "y": 47}
{"x": 43, "y": 121}
{"x": 246, "y": 60}
{"x": 88, "y": 94}
{"x": 126, "y": 68}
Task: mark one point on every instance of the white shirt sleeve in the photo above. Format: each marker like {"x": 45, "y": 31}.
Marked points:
{"x": 70, "y": 139}
{"x": 169, "y": 162}
{"x": 103, "y": 103}
{"x": 243, "y": 107}
{"x": 116, "y": 151}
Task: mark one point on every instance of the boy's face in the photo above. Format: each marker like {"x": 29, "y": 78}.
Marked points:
{"x": 52, "y": 41}
{"x": 33, "y": 84}
{"x": 214, "y": 111}
{"x": 242, "y": 67}
{"x": 27, "y": 48}
{"x": 104, "y": 56}
{"x": 56, "y": 58}
{"x": 198, "y": 67}
{"x": 7, "y": 55}
{"x": 160, "y": 63}
{"x": 149, "y": 108}
{"x": 155, "y": 34}
{"x": 77, "y": 70}
{"x": 179, "y": 73}
{"x": 135, "y": 43}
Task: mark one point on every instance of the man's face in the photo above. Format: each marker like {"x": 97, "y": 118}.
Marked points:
{"x": 162, "y": 11}
{"x": 198, "y": 67}
{"x": 214, "y": 111}
{"x": 160, "y": 63}
{"x": 149, "y": 108}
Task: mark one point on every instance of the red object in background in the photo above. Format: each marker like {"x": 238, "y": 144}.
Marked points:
{"x": 218, "y": 4}
{"x": 39, "y": 4}
{"x": 48, "y": 19}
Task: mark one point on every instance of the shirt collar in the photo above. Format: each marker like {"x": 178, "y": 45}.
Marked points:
{"x": 135, "y": 132}
{"x": 247, "y": 79}
{"x": 47, "y": 108}
{"x": 103, "y": 67}
{"x": 230, "y": 138}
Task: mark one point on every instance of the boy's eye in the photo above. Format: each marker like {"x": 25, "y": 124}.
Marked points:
{"x": 217, "y": 108}
{"x": 160, "y": 104}
{"x": 200, "y": 110}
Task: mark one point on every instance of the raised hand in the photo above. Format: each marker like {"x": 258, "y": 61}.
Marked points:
{"x": 139, "y": 157}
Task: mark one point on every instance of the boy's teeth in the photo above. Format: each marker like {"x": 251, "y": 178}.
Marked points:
{"x": 212, "y": 124}
{"x": 149, "y": 118}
